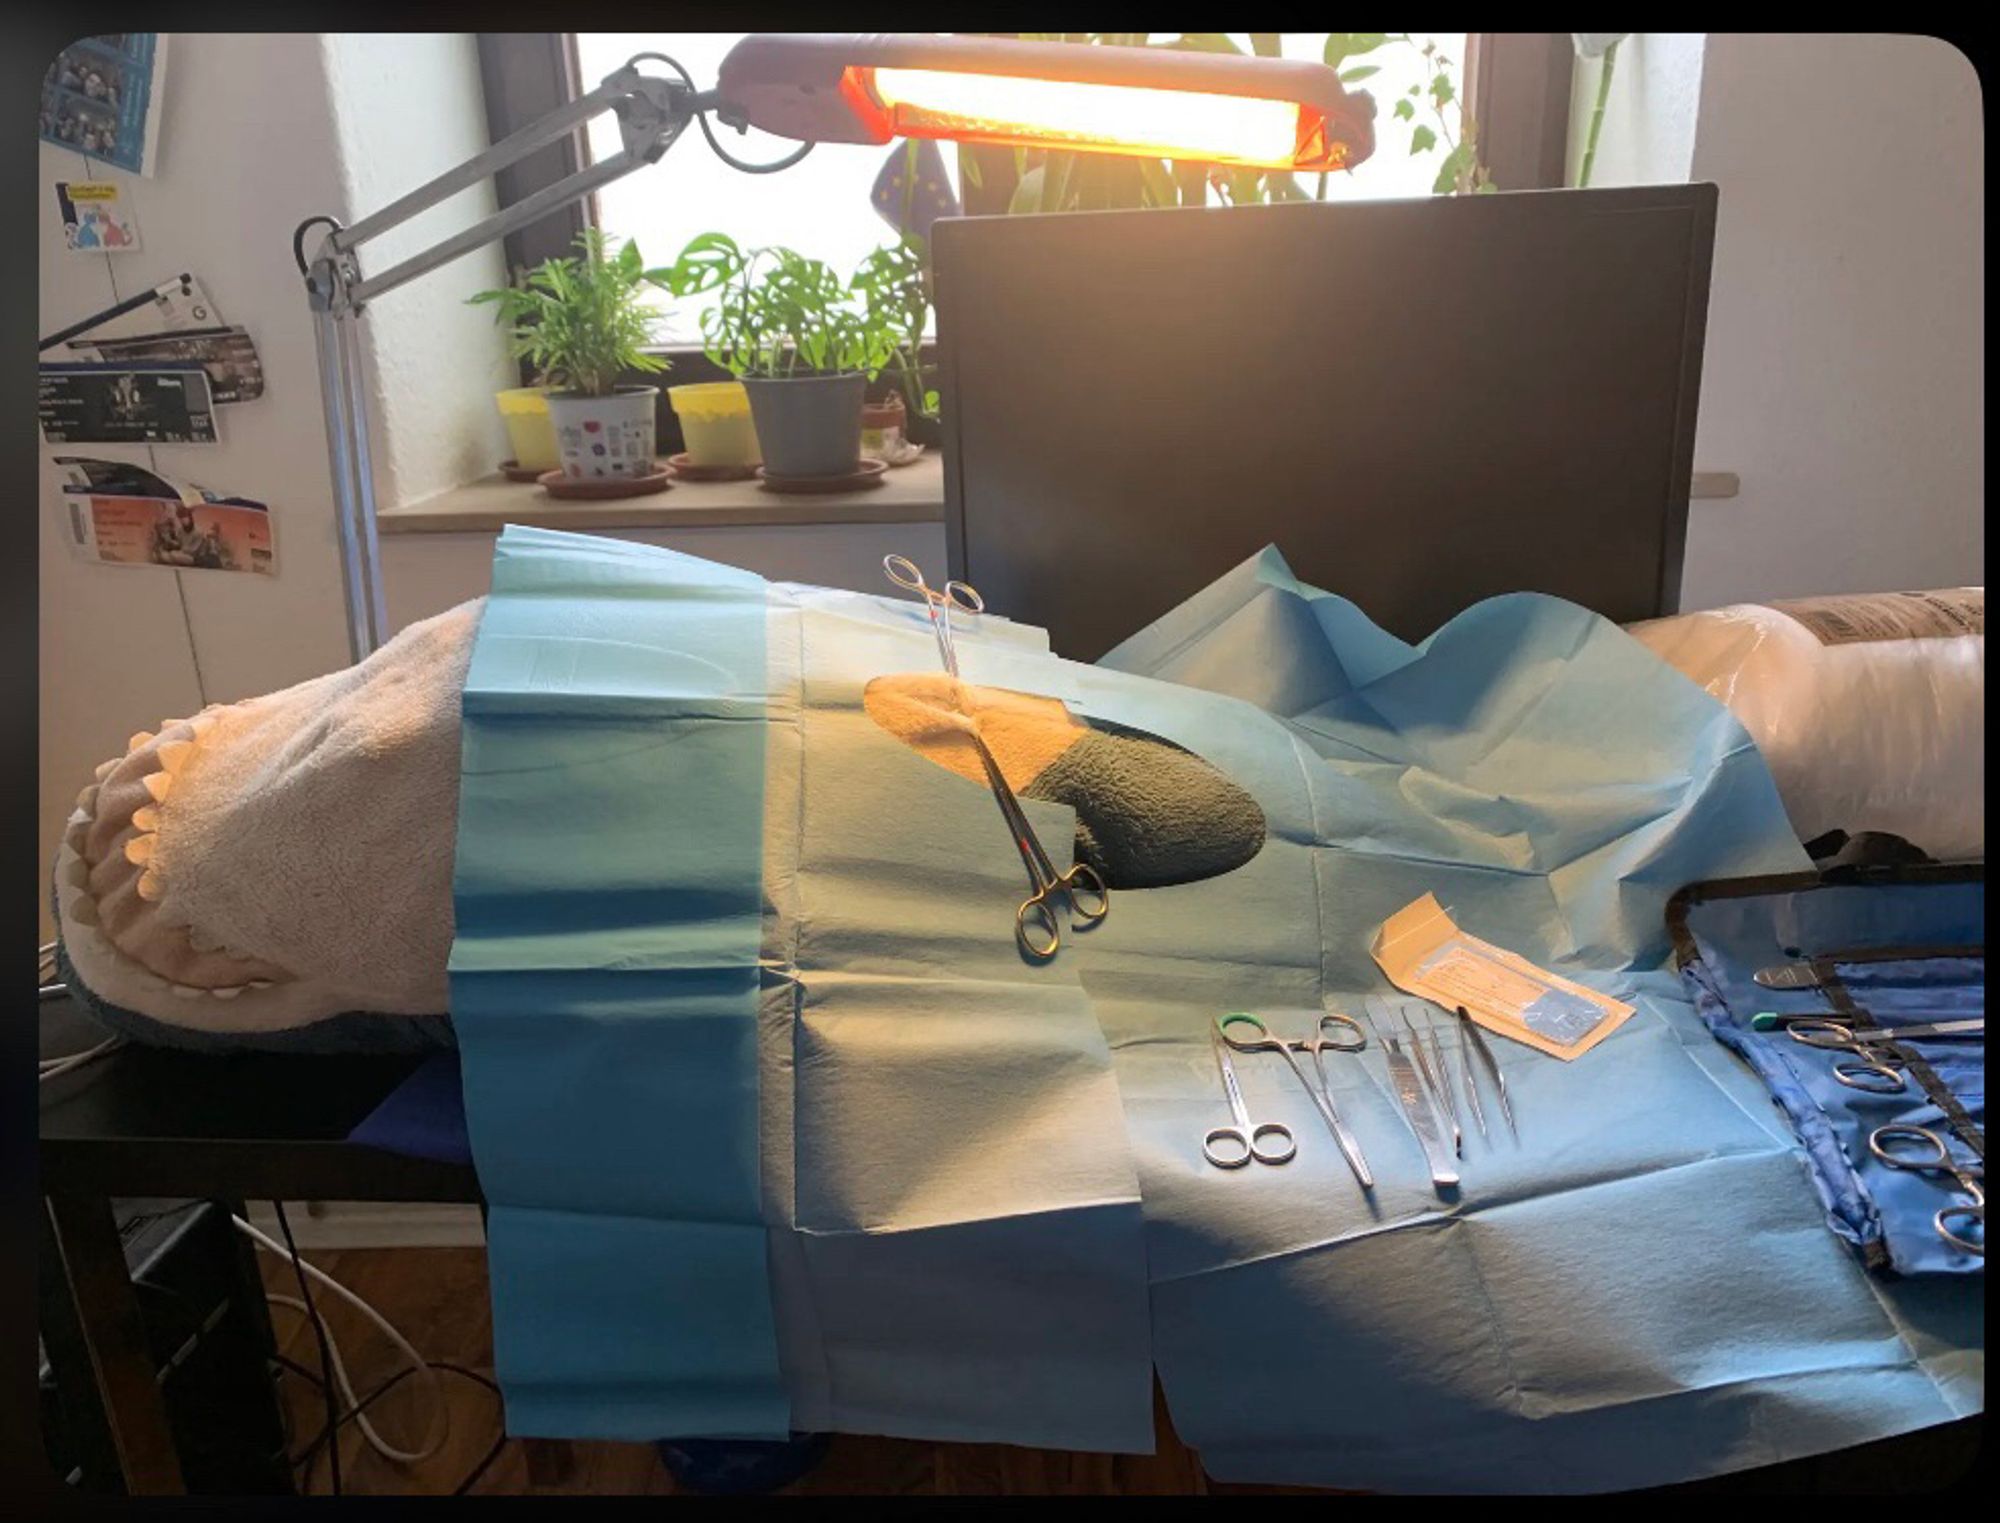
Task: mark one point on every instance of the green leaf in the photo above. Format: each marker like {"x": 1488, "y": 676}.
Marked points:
{"x": 1351, "y": 76}
{"x": 1483, "y": 189}
{"x": 1205, "y": 42}
{"x": 1447, "y": 177}
{"x": 968, "y": 167}
{"x": 1055, "y": 184}
{"x": 1422, "y": 140}
{"x": 1404, "y": 110}
{"x": 1345, "y": 45}
{"x": 1027, "y": 195}
{"x": 1441, "y": 90}
{"x": 1266, "y": 44}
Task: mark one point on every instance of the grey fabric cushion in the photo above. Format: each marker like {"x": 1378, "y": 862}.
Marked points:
{"x": 1148, "y": 813}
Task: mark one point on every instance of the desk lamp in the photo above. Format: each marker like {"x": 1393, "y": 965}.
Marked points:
{"x": 1264, "y": 113}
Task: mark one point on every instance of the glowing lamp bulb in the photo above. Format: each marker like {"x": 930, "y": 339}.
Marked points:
{"x": 1090, "y": 118}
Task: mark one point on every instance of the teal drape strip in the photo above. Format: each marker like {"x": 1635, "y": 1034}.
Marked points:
{"x": 604, "y": 987}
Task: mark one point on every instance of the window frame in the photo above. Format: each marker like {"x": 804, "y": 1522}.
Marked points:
{"x": 1516, "y": 87}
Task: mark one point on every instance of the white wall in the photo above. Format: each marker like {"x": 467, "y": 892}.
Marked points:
{"x": 1843, "y": 379}
{"x": 248, "y": 147}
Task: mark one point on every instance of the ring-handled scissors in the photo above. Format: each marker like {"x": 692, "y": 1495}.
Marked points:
{"x": 1334, "y": 1033}
{"x": 1932, "y": 1157}
{"x": 1089, "y": 899}
{"x": 1247, "y": 1135}
{"x": 960, "y": 595}
{"x": 1869, "y": 1066}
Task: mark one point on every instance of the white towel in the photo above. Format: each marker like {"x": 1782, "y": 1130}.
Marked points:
{"x": 270, "y": 863}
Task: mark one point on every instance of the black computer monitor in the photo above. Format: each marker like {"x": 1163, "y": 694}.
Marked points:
{"x": 1422, "y": 403}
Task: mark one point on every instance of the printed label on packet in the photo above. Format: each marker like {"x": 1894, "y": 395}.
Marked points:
{"x": 1425, "y": 954}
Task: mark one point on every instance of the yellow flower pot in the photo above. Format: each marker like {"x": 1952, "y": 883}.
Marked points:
{"x": 525, "y": 411}
{"x": 715, "y": 422}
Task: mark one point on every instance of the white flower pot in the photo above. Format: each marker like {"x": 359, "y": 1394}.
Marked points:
{"x": 605, "y": 436}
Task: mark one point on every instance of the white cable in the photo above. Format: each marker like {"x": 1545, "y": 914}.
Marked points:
{"x": 50, "y": 1068}
{"x": 441, "y": 1421}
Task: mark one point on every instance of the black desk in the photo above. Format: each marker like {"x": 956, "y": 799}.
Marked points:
{"x": 146, "y": 1122}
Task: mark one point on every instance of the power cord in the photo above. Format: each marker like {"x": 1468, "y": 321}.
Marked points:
{"x": 701, "y": 121}
{"x": 441, "y": 1422}
{"x": 326, "y": 1362}
{"x": 51, "y": 987}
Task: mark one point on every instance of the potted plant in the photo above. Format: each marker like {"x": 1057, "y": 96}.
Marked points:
{"x": 893, "y": 283}
{"x": 805, "y": 350}
{"x": 530, "y": 429}
{"x": 716, "y": 423}
{"x": 582, "y": 322}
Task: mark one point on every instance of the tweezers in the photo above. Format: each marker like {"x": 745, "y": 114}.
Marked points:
{"x": 1430, "y": 1063}
{"x": 1469, "y": 1028}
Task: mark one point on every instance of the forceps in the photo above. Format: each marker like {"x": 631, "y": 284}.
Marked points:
{"x": 1245, "y": 1134}
{"x": 1867, "y": 1069}
{"x": 960, "y": 595}
{"x": 1343, "y": 1028}
{"x": 1089, "y": 899}
{"x": 1416, "y": 1104}
{"x": 1934, "y": 1158}
{"x": 1430, "y": 1063}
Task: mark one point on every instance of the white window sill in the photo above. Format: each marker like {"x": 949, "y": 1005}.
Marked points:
{"x": 908, "y": 494}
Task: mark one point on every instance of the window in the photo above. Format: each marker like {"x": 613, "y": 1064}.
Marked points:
{"x": 1515, "y": 84}
{"x": 821, "y": 207}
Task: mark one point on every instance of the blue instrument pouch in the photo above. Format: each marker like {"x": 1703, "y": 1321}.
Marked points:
{"x": 1726, "y": 932}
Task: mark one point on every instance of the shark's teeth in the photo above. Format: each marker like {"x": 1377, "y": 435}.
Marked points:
{"x": 146, "y": 817}
{"x": 202, "y": 723}
{"x": 151, "y": 886}
{"x": 139, "y": 850}
{"x": 139, "y": 738}
{"x": 229, "y": 992}
{"x": 183, "y": 991}
{"x": 159, "y": 784}
{"x": 174, "y": 754}
{"x": 259, "y": 983}
{"x": 75, "y": 829}
{"x": 86, "y": 798}
{"x": 105, "y": 769}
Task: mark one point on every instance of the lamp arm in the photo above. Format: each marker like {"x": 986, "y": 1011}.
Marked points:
{"x": 652, "y": 112}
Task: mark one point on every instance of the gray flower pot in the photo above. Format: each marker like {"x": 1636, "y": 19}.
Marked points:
{"x": 808, "y": 425}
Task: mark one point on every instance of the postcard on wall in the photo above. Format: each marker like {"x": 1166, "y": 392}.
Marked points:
{"x": 120, "y": 514}
{"x": 95, "y": 217}
{"x": 118, "y": 404}
{"x": 235, "y": 373}
{"x": 102, "y": 97}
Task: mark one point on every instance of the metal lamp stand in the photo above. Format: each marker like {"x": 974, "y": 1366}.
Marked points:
{"x": 651, "y": 113}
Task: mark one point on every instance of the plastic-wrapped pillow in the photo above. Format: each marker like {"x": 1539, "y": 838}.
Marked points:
{"x": 1870, "y": 709}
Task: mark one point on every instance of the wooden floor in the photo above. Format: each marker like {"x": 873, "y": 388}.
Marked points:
{"x": 436, "y": 1297}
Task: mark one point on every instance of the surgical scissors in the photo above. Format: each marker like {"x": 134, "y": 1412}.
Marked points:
{"x": 960, "y": 595}
{"x": 1936, "y": 1159}
{"x": 1317, "y": 1043}
{"x": 1246, "y": 1134}
{"x": 1866, "y": 1068}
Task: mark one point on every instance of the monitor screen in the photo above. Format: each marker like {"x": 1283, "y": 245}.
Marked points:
{"x": 1421, "y": 403}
